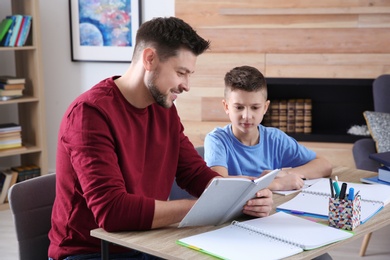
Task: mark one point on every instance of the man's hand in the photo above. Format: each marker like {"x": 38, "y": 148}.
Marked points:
{"x": 261, "y": 205}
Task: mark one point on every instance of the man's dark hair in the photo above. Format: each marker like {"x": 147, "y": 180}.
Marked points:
{"x": 167, "y": 36}
{"x": 245, "y": 78}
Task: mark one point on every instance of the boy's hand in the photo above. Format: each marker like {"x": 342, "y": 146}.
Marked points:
{"x": 261, "y": 205}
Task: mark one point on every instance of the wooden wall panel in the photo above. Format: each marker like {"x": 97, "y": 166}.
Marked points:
{"x": 299, "y": 40}
{"x": 326, "y": 65}
{"x": 282, "y": 38}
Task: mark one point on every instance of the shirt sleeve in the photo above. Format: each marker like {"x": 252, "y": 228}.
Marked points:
{"x": 215, "y": 153}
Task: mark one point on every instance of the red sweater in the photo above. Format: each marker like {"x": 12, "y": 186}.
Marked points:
{"x": 113, "y": 162}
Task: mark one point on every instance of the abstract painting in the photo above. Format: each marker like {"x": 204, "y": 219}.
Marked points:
{"x": 103, "y": 30}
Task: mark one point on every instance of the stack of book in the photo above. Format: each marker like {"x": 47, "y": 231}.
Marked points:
{"x": 11, "y": 87}
{"x": 383, "y": 176}
{"x": 14, "y": 30}
{"x": 10, "y": 136}
{"x": 26, "y": 172}
{"x": 290, "y": 116}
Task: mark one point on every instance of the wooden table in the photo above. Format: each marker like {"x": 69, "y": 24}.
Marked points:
{"x": 162, "y": 242}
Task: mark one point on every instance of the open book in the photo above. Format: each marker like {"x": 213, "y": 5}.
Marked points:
{"x": 314, "y": 201}
{"x": 224, "y": 199}
{"x": 274, "y": 237}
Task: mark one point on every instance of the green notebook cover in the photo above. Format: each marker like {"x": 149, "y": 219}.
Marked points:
{"x": 4, "y": 27}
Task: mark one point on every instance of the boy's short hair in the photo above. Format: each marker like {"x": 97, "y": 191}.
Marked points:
{"x": 167, "y": 35}
{"x": 245, "y": 78}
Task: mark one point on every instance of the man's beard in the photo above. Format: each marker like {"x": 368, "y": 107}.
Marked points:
{"x": 159, "y": 97}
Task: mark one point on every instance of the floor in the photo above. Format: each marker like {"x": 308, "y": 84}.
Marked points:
{"x": 378, "y": 249}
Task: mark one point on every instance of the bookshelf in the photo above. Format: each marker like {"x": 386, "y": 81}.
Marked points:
{"x": 29, "y": 110}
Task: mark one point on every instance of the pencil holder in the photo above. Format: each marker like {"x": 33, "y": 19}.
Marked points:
{"x": 344, "y": 213}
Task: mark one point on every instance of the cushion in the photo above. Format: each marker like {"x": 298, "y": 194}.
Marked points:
{"x": 379, "y": 126}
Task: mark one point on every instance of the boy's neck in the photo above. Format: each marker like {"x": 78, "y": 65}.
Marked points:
{"x": 249, "y": 139}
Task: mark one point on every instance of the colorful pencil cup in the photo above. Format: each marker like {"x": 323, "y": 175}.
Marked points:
{"x": 344, "y": 213}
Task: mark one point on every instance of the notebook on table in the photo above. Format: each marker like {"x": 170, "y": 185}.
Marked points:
{"x": 314, "y": 201}
{"x": 274, "y": 237}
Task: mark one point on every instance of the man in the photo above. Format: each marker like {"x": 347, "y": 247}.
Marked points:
{"x": 121, "y": 144}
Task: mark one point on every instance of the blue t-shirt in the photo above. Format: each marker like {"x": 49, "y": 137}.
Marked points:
{"x": 275, "y": 150}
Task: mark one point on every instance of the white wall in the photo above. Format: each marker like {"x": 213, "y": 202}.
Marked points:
{"x": 64, "y": 80}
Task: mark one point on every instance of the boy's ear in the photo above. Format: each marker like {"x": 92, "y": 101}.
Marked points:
{"x": 266, "y": 106}
{"x": 225, "y": 106}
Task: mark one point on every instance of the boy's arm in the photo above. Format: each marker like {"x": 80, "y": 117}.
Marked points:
{"x": 292, "y": 178}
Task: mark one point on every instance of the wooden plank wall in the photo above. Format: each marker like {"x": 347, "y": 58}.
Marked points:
{"x": 283, "y": 38}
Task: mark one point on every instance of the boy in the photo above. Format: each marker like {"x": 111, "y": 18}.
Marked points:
{"x": 245, "y": 147}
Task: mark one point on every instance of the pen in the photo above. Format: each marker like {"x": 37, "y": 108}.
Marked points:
{"x": 351, "y": 195}
{"x": 357, "y": 193}
{"x": 343, "y": 190}
{"x": 331, "y": 188}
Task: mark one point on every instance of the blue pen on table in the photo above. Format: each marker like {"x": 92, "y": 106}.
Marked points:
{"x": 351, "y": 194}
{"x": 343, "y": 191}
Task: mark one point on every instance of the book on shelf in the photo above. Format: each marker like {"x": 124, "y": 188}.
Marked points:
{"x": 10, "y": 146}
{"x": 7, "y": 79}
{"x": 24, "y": 30}
{"x": 6, "y": 86}
{"x": 26, "y": 172}
{"x": 224, "y": 199}
{"x": 291, "y": 116}
{"x": 283, "y": 115}
{"x": 10, "y": 127}
{"x": 274, "y": 237}
{"x": 314, "y": 200}
{"x": 274, "y": 113}
{"x": 4, "y": 27}
{"x": 299, "y": 118}
{"x": 7, "y": 36}
{"x": 10, "y": 136}
{"x": 7, "y": 179}
{"x": 307, "y": 117}
{"x": 15, "y": 29}
{"x": 11, "y": 92}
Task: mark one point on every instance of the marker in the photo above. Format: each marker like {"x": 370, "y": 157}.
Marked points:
{"x": 351, "y": 194}
{"x": 343, "y": 190}
{"x": 337, "y": 189}
{"x": 331, "y": 187}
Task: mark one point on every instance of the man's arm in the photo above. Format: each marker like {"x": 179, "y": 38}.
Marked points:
{"x": 170, "y": 212}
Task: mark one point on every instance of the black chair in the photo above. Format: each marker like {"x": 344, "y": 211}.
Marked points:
{"x": 366, "y": 146}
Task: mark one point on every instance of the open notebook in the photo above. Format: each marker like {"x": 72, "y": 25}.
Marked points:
{"x": 314, "y": 200}
{"x": 274, "y": 237}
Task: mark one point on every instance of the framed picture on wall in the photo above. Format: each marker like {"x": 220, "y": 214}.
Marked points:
{"x": 103, "y": 30}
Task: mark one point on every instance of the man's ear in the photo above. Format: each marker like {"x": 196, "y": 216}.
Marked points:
{"x": 149, "y": 58}
{"x": 225, "y": 106}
